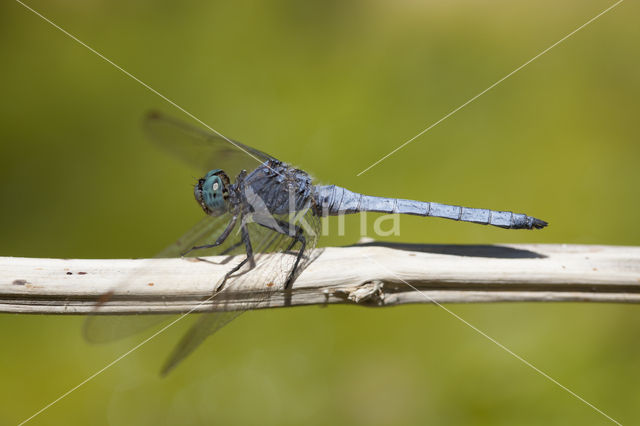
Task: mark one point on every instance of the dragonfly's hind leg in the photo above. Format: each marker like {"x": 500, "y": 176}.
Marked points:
{"x": 297, "y": 236}
{"x": 303, "y": 244}
{"x": 252, "y": 261}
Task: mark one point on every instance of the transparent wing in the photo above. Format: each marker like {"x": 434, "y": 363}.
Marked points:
{"x": 202, "y": 149}
{"x": 103, "y": 328}
{"x": 275, "y": 261}
{"x": 205, "y": 326}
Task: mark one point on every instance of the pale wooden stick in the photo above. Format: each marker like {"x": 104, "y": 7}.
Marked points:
{"x": 370, "y": 274}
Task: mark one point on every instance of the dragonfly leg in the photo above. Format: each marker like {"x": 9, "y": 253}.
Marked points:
{"x": 221, "y": 239}
{"x": 297, "y": 236}
{"x": 247, "y": 243}
{"x": 252, "y": 262}
{"x": 239, "y": 243}
{"x": 292, "y": 274}
{"x": 231, "y": 248}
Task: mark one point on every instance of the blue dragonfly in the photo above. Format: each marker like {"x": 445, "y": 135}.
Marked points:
{"x": 268, "y": 212}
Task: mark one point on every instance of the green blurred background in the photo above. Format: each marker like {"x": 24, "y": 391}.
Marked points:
{"x": 330, "y": 86}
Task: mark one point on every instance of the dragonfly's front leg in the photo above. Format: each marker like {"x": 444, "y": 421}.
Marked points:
{"x": 252, "y": 262}
{"x": 221, "y": 239}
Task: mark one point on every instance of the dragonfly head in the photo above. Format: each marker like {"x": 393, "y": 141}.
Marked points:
{"x": 212, "y": 192}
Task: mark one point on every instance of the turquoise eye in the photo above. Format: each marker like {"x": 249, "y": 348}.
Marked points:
{"x": 210, "y": 192}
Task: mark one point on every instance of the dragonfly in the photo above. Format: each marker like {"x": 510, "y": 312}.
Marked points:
{"x": 268, "y": 212}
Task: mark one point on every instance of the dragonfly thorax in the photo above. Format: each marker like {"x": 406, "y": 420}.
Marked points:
{"x": 212, "y": 192}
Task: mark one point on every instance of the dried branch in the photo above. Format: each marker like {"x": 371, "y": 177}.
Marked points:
{"x": 375, "y": 274}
